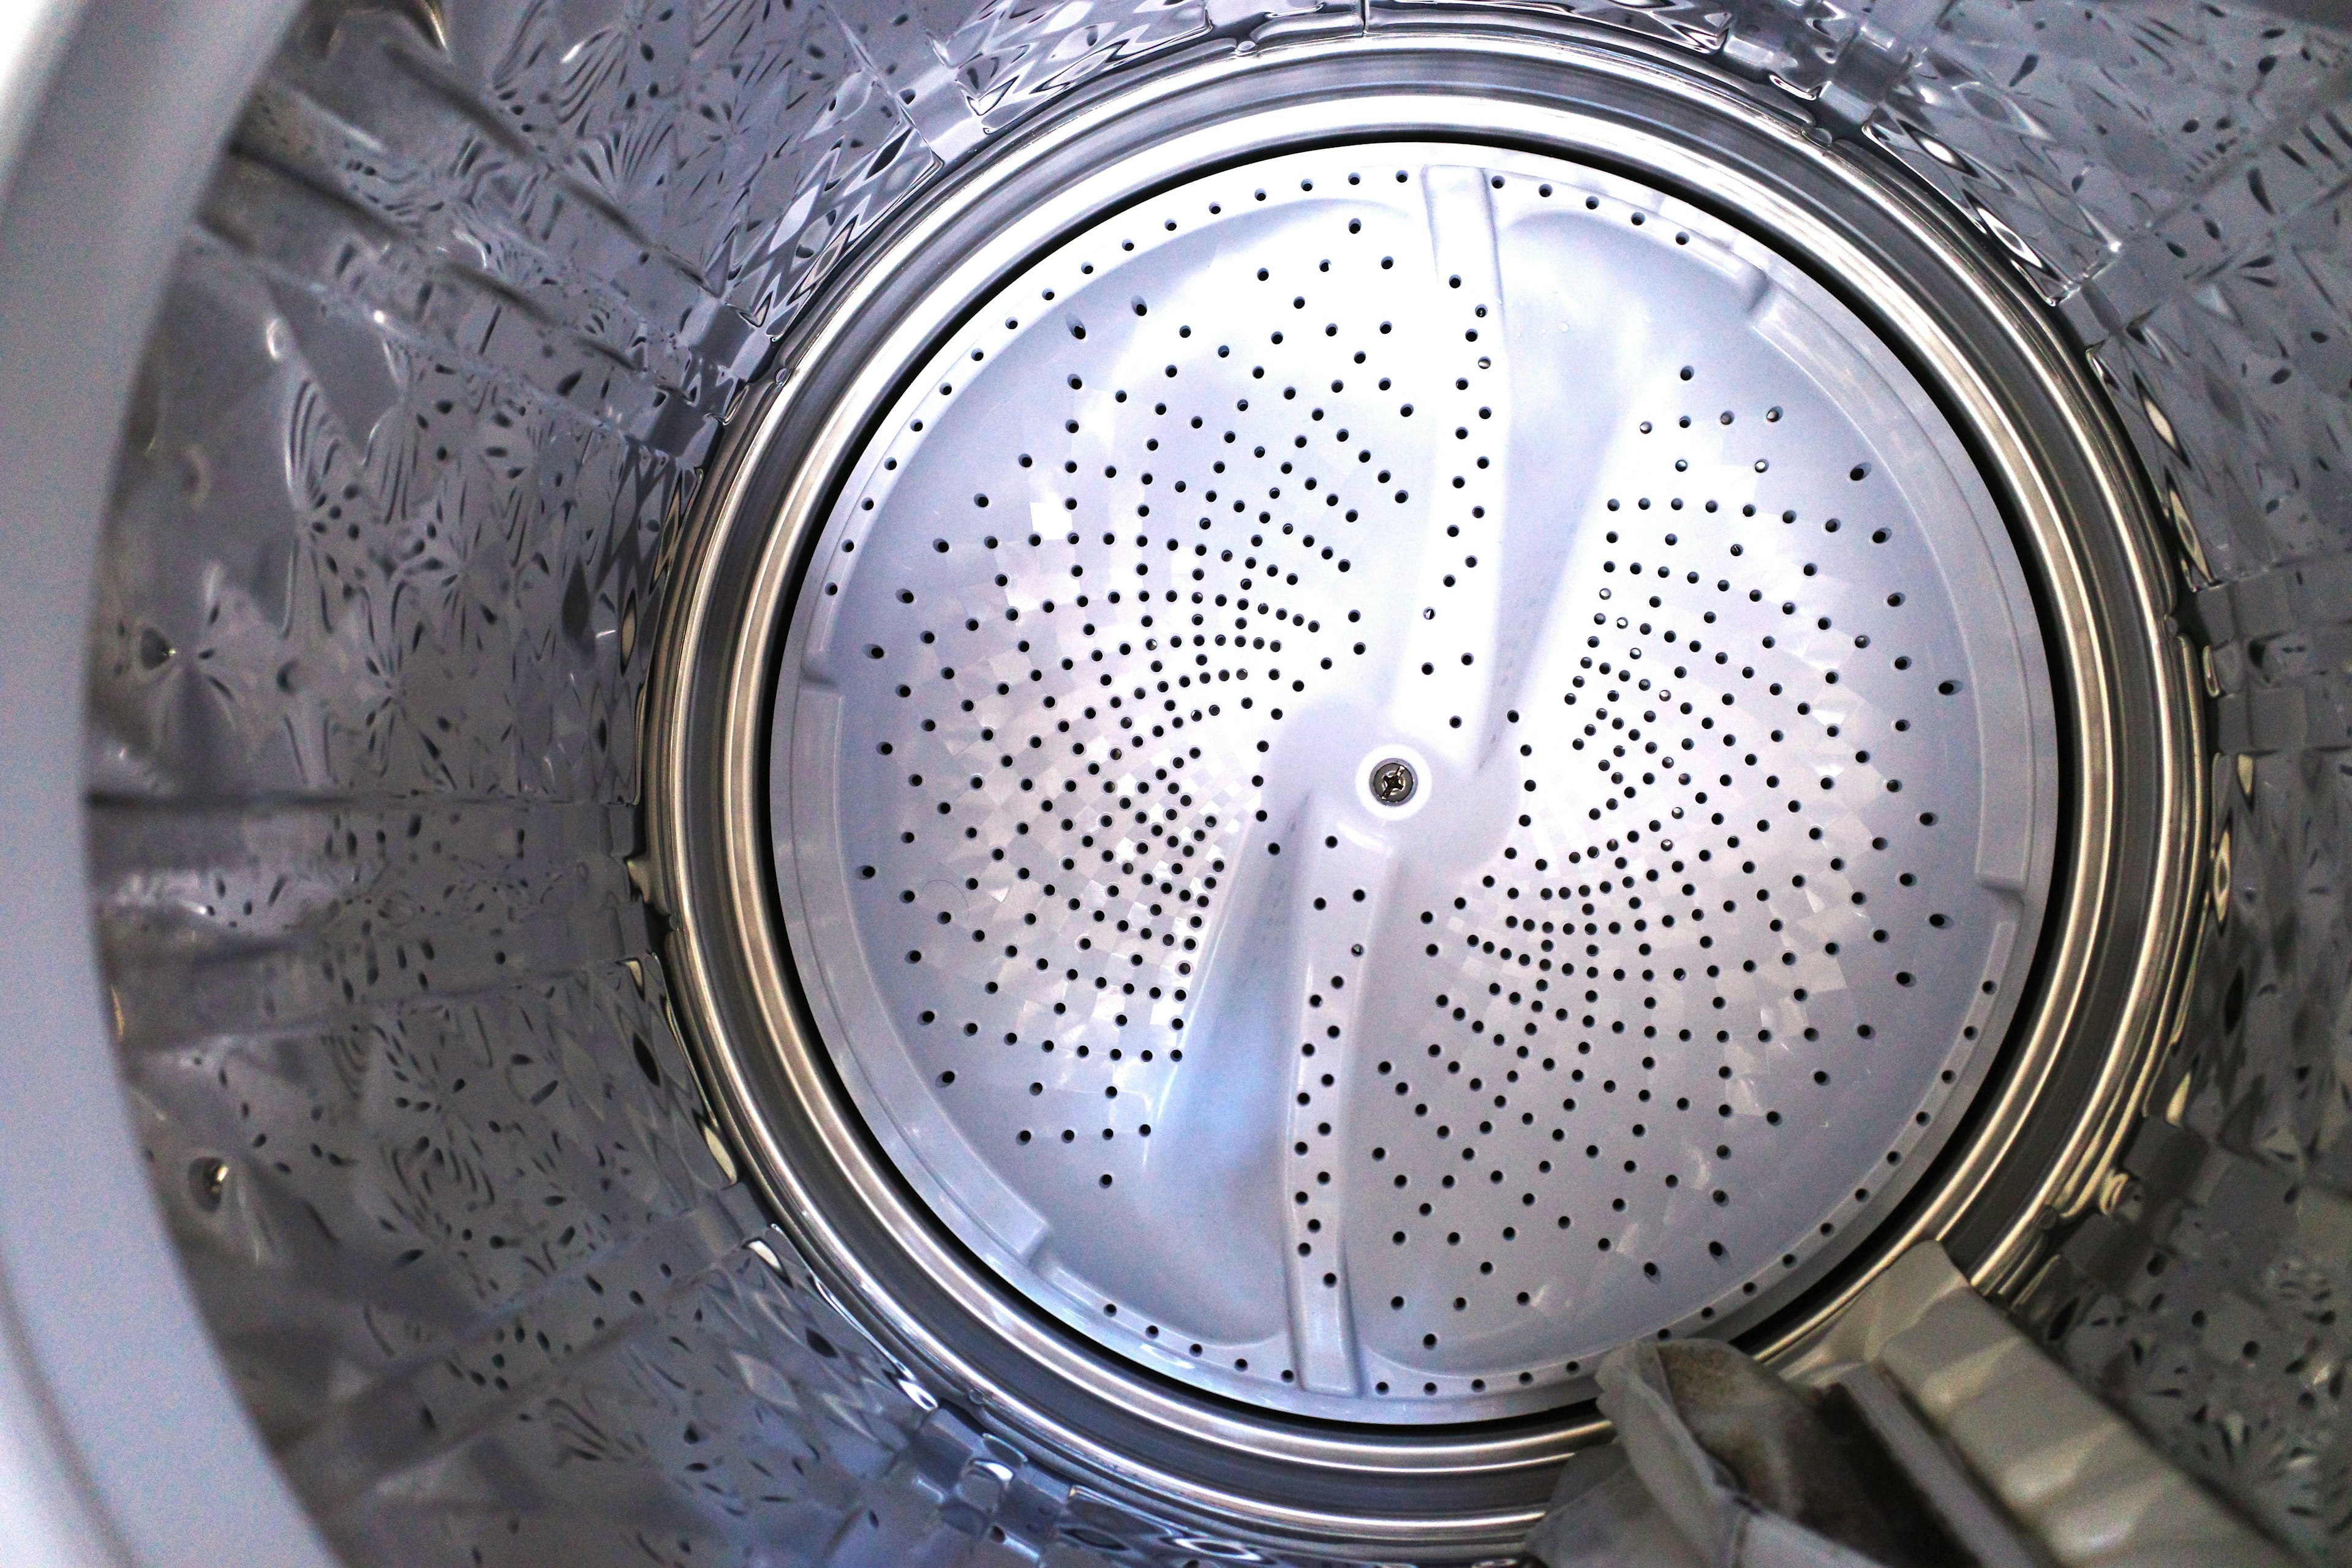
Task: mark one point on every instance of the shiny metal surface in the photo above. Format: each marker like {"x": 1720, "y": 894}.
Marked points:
{"x": 1278, "y": 1481}
{"x": 1406, "y": 1113}
{"x": 2166, "y": 175}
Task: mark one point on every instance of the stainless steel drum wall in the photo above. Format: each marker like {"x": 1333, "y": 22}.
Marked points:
{"x": 1500, "y": 465}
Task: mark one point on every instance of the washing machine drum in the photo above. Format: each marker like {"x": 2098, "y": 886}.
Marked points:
{"x": 861, "y": 786}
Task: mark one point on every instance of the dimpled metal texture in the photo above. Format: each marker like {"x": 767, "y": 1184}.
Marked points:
{"x": 1715, "y": 674}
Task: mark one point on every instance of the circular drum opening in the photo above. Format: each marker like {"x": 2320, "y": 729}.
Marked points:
{"x": 1339, "y": 741}
{"x": 1702, "y": 627}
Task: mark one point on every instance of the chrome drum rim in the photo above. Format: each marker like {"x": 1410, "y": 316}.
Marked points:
{"x": 2125, "y": 853}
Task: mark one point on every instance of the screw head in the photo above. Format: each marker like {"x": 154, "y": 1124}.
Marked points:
{"x": 1393, "y": 782}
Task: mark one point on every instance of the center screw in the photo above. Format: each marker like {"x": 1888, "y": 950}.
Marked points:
{"x": 1393, "y": 782}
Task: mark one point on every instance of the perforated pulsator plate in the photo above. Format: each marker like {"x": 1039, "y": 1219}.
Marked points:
{"x": 1708, "y": 664}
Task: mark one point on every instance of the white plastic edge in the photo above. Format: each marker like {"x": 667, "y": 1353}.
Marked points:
{"x": 123, "y": 1441}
